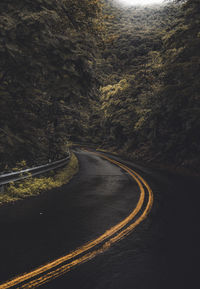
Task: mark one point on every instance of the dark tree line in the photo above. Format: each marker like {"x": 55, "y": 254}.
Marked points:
{"x": 90, "y": 71}
{"x": 48, "y": 76}
{"x": 150, "y": 98}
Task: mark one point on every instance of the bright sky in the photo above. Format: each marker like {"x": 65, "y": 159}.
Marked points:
{"x": 139, "y": 2}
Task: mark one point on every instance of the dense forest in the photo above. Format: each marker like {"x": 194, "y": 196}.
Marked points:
{"x": 150, "y": 98}
{"x": 124, "y": 79}
{"x": 48, "y": 76}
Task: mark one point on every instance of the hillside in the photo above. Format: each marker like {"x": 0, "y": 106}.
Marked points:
{"x": 48, "y": 59}
{"x": 150, "y": 99}
{"x": 125, "y": 79}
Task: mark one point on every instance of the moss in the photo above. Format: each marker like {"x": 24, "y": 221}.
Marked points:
{"x": 34, "y": 186}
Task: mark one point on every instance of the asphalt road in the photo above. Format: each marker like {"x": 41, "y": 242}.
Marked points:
{"x": 161, "y": 252}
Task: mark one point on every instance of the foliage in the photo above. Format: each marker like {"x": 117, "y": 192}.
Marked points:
{"x": 47, "y": 52}
{"x": 56, "y": 54}
{"x": 178, "y": 97}
{"x": 150, "y": 100}
{"x": 34, "y": 186}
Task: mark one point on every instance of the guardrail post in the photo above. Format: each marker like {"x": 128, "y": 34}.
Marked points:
{"x": 2, "y": 189}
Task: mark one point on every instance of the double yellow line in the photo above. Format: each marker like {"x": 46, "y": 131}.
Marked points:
{"x": 91, "y": 249}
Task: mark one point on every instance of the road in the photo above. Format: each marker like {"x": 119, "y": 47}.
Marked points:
{"x": 160, "y": 250}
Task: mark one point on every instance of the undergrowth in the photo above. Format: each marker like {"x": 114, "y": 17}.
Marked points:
{"x": 34, "y": 186}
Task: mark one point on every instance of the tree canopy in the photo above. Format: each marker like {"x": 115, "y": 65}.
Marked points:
{"x": 91, "y": 71}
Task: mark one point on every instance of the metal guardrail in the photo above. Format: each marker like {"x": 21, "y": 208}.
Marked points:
{"x": 27, "y": 173}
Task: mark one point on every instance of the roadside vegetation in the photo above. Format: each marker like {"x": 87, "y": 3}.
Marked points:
{"x": 150, "y": 98}
{"x": 34, "y": 186}
{"x": 123, "y": 79}
{"x": 48, "y": 55}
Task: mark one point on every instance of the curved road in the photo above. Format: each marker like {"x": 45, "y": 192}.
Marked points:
{"x": 160, "y": 252}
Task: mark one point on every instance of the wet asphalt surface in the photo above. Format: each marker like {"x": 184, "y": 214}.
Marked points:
{"x": 162, "y": 252}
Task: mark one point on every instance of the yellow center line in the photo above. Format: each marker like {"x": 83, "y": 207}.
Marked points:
{"x": 55, "y": 272}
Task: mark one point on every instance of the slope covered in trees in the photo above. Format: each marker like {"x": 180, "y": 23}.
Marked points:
{"x": 47, "y": 72}
{"x": 150, "y": 100}
{"x": 92, "y": 71}
{"x": 176, "y": 103}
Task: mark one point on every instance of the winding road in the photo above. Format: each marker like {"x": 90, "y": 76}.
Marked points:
{"x": 116, "y": 225}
